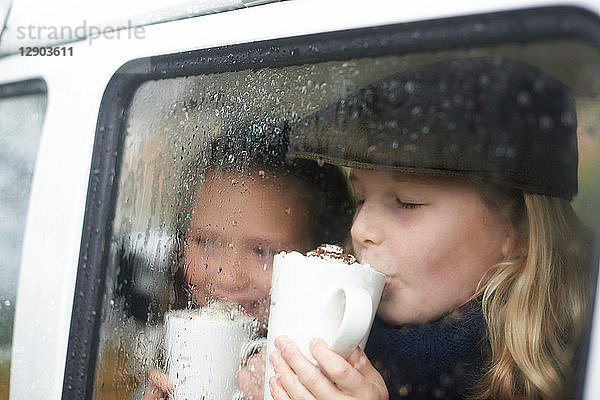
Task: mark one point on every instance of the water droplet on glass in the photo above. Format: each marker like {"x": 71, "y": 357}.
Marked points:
{"x": 524, "y": 99}
{"x": 567, "y": 119}
{"x": 546, "y": 123}
{"x": 404, "y": 390}
{"x": 484, "y": 79}
{"x": 539, "y": 85}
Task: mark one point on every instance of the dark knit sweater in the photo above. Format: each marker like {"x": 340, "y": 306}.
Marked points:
{"x": 438, "y": 360}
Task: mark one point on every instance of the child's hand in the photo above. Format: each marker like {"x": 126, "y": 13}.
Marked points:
{"x": 298, "y": 378}
{"x": 159, "y": 386}
{"x": 252, "y": 376}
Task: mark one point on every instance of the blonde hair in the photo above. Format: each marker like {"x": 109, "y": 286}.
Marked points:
{"x": 535, "y": 305}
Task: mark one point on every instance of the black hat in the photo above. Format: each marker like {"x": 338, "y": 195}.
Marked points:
{"x": 494, "y": 118}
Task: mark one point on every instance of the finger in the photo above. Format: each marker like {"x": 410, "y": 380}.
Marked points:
{"x": 160, "y": 381}
{"x": 310, "y": 375}
{"x": 341, "y": 372}
{"x": 287, "y": 378}
{"x": 257, "y": 363}
{"x": 359, "y": 360}
{"x": 251, "y": 377}
{"x": 277, "y": 391}
{"x": 245, "y": 380}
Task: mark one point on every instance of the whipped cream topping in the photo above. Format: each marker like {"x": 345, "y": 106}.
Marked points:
{"x": 332, "y": 252}
{"x": 215, "y": 311}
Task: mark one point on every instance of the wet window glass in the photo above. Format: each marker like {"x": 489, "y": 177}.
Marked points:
{"x": 467, "y": 180}
{"x": 21, "y": 119}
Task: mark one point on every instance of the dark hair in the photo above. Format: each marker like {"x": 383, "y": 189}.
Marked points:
{"x": 263, "y": 147}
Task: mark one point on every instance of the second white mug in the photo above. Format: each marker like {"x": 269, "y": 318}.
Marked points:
{"x": 204, "y": 348}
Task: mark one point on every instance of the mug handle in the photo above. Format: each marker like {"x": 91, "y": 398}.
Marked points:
{"x": 356, "y": 318}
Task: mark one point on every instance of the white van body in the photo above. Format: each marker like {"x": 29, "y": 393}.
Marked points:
{"x": 75, "y": 87}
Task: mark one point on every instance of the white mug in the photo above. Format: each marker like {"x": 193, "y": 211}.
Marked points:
{"x": 204, "y": 349}
{"x": 313, "y": 297}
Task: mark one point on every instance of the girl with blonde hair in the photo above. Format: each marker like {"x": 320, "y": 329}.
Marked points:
{"x": 463, "y": 172}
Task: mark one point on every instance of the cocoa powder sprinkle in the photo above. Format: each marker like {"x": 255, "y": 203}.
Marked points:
{"x": 332, "y": 252}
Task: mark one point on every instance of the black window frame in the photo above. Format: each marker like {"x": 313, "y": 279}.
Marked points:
{"x": 515, "y": 26}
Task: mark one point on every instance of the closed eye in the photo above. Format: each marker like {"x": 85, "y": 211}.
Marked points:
{"x": 206, "y": 242}
{"x": 408, "y": 206}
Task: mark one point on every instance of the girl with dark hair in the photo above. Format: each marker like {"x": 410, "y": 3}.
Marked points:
{"x": 242, "y": 202}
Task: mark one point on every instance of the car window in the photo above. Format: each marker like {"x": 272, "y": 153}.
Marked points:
{"x": 21, "y": 117}
{"x": 221, "y": 169}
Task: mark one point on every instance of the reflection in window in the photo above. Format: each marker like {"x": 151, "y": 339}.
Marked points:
{"x": 208, "y": 190}
{"x": 21, "y": 119}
